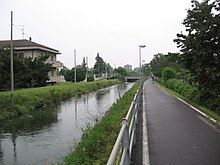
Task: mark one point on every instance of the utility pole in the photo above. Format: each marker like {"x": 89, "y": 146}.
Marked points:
{"x": 75, "y": 64}
{"x": 11, "y": 55}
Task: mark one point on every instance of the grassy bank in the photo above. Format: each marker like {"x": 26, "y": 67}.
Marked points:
{"x": 190, "y": 94}
{"x": 21, "y": 101}
{"x": 97, "y": 142}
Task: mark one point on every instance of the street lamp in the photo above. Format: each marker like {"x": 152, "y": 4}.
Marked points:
{"x": 140, "y": 46}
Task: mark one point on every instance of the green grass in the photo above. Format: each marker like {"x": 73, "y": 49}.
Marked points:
{"x": 14, "y": 103}
{"x": 96, "y": 143}
{"x": 201, "y": 108}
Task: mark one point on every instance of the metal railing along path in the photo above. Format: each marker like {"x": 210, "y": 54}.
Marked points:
{"x": 127, "y": 135}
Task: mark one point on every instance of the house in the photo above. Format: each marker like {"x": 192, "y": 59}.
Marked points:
{"x": 28, "y": 48}
{"x": 128, "y": 68}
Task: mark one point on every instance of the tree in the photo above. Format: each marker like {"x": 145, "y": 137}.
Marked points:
{"x": 200, "y": 47}
{"x": 120, "y": 72}
{"x": 5, "y": 69}
{"x": 168, "y": 73}
{"x": 69, "y": 75}
{"x": 64, "y": 71}
{"x": 28, "y": 72}
{"x": 158, "y": 63}
{"x": 109, "y": 69}
{"x": 99, "y": 66}
{"x": 146, "y": 69}
{"x": 37, "y": 71}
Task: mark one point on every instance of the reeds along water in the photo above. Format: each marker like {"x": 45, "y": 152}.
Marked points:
{"x": 21, "y": 101}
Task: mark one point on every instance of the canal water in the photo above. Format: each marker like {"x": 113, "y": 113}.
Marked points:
{"x": 47, "y": 135}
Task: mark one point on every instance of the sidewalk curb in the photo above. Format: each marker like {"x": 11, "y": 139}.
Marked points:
{"x": 146, "y": 157}
{"x": 194, "y": 108}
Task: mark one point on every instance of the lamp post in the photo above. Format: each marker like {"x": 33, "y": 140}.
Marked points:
{"x": 140, "y": 46}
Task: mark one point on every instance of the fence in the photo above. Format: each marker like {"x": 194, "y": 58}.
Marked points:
{"x": 127, "y": 135}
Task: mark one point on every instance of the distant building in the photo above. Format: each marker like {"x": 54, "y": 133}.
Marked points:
{"x": 27, "y": 48}
{"x": 128, "y": 68}
{"x": 137, "y": 69}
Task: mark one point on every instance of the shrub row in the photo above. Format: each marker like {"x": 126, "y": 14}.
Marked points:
{"x": 204, "y": 98}
{"x": 21, "y": 101}
{"x": 97, "y": 142}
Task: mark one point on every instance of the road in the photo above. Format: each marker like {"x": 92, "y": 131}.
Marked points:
{"x": 177, "y": 134}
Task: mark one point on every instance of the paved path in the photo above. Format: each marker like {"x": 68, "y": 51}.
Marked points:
{"x": 177, "y": 134}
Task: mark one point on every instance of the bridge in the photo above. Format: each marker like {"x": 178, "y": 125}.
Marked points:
{"x": 132, "y": 78}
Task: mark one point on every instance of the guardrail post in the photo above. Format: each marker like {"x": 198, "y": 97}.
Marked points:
{"x": 126, "y": 142}
{"x": 134, "y": 114}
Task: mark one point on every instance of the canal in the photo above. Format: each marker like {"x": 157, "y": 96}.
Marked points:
{"x": 47, "y": 135}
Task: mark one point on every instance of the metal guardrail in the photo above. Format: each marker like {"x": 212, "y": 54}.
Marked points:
{"x": 127, "y": 135}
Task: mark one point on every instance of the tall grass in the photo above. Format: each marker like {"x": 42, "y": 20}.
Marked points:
{"x": 14, "y": 103}
{"x": 97, "y": 142}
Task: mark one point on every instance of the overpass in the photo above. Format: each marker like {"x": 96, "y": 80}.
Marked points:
{"x": 132, "y": 78}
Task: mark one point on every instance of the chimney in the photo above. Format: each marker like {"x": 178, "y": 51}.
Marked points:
{"x": 30, "y": 38}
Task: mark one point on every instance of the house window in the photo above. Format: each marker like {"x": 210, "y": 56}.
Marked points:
{"x": 51, "y": 57}
{"x": 21, "y": 54}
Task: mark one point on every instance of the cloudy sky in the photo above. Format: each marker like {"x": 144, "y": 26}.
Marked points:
{"x": 114, "y": 28}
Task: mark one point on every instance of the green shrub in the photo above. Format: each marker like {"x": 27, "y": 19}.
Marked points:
{"x": 161, "y": 81}
{"x": 168, "y": 73}
{"x": 204, "y": 98}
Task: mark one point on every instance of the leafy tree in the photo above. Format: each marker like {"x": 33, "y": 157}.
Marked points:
{"x": 146, "y": 69}
{"x": 37, "y": 71}
{"x": 120, "y": 72}
{"x": 5, "y": 69}
{"x": 109, "y": 69}
{"x": 64, "y": 71}
{"x": 69, "y": 75}
{"x": 90, "y": 74}
{"x": 158, "y": 63}
{"x": 99, "y": 66}
{"x": 28, "y": 72}
{"x": 168, "y": 73}
{"x": 200, "y": 47}
{"x": 84, "y": 64}
{"x": 80, "y": 73}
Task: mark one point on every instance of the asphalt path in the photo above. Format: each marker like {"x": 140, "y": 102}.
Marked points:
{"x": 177, "y": 134}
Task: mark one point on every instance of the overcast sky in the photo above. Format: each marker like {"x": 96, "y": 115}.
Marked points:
{"x": 114, "y": 28}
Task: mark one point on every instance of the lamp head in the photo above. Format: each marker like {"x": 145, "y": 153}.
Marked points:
{"x": 142, "y": 46}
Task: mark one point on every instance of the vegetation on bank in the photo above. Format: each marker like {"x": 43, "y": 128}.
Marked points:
{"x": 194, "y": 73}
{"x": 14, "y": 103}
{"x": 96, "y": 143}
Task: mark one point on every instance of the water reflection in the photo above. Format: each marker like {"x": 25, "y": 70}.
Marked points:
{"x": 47, "y": 135}
{"x": 22, "y": 127}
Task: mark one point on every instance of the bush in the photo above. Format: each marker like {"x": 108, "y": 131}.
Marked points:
{"x": 161, "y": 81}
{"x": 168, "y": 73}
{"x": 204, "y": 98}
{"x": 89, "y": 79}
